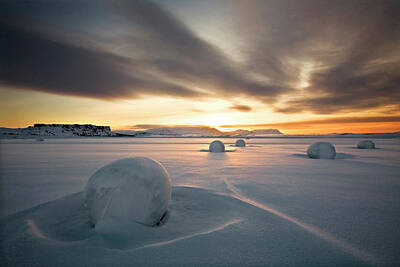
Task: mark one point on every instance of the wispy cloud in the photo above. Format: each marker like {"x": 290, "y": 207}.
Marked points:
{"x": 241, "y": 108}
{"x": 352, "y": 47}
{"x": 157, "y": 54}
{"x": 345, "y": 53}
{"x": 30, "y": 60}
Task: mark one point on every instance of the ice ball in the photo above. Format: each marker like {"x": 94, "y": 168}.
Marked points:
{"x": 136, "y": 189}
{"x": 217, "y": 146}
{"x": 321, "y": 150}
{"x": 240, "y": 143}
{"x": 366, "y": 144}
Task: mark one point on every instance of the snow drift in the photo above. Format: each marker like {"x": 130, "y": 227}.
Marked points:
{"x": 135, "y": 189}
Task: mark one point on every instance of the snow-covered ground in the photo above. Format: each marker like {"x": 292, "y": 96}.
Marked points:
{"x": 263, "y": 204}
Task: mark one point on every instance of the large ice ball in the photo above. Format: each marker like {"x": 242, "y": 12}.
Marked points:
{"x": 321, "y": 150}
{"x": 137, "y": 189}
{"x": 217, "y": 146}
{"x": 366, "y": 144}
{"x": 240, "y": 143}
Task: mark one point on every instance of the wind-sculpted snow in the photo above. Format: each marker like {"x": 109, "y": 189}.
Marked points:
{"x": 266, "y": 205}
{"x": 65, "y": 220}
{"x": 61, "y": 227}
{"x": 345, "y": 246}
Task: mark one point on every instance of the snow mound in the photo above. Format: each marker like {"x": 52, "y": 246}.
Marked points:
{"x": 240, "y": 143}
{"x": 136, "y": 189}
{"x": 366, "y": 144}
{"x": 321, "y": 150}
{"x": 217, "y": 146}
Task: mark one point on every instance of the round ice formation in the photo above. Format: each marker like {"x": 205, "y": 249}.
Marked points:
{"x": 137, "y": 189}
{"x": 366, "y": 144}
{"x": 321, "y": 150}
{"x": 217, "y": 146}
{"x": 240, "y": 143}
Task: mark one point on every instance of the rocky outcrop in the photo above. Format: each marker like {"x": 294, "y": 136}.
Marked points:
{"x": 61, "y": 130}
{"x": 69, "y": 130}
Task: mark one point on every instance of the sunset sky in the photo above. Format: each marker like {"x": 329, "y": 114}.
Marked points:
{"x": 304, "y": 67}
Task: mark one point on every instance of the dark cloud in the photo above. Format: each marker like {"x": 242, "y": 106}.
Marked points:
{"x": 241, "y": 108}
{"x": 346, "y": 50}
{"x": 154, "y": 53}
{"x": 350, "y": 86}
{"x": 172, "y": 50}
{"x": 31, "y": 61}
{"x": 34, "y": 57}
{"x": 352, "y": 47}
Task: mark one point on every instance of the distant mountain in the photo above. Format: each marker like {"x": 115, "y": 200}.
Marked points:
{"x": 72, "y": 130}
{"x": 240, "y": 132}
{"x": 185, "y": 131}
{"x": 59, "y": 130}
{"x": 196, "y": 131}
{"x": 259, "y": 132}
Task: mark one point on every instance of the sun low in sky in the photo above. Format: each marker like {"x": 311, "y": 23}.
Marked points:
{"x": 304, "y": 67}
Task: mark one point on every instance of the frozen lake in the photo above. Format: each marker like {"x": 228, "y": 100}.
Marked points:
{"x": 264, "y": 204}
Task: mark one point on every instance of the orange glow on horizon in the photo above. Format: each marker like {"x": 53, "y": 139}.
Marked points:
{"x": 25, "y": 108}
{"x": 313, "y": 129}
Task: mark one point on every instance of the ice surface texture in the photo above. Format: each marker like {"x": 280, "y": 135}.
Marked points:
{"x": 342, "y": 212}
{"x": 240, "y": 143}
{"x": 366, "y": 144}
{"x": 217, "y": 146}
{"x": 137, "y": 189}
{"x": 321, "y": 150}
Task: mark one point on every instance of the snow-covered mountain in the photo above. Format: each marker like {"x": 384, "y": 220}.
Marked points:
{"x": 196, "y": 131}
{"x": 61, "y": 130}
{"x": 264, "y": 132}
{"x": 259, "y": 132}
{"x": 185, "y": 131}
